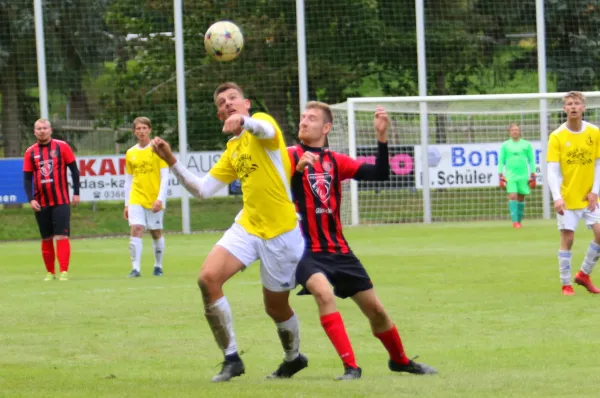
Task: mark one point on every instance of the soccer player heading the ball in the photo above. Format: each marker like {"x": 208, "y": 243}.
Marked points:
{"x": 146, "y": 185}
{"x": 328, "y": 260}
{"x": 45, "y": 169}
{"x": 266, "y": 228}
{"x": 515, "y": 156}
{"x": 574, "y": 156}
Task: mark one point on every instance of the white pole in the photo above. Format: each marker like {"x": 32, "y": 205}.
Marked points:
{"x": 302, "y": 71}
{"x": 352, "y": 152}
{"x": 181, "y": 110}
{"x": 422, "y": 73}
{"x": 41, "y": 57}
{"x": 542, "y": 87}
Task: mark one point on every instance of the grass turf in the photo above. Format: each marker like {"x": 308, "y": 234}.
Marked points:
{"x": 479, "y": 301}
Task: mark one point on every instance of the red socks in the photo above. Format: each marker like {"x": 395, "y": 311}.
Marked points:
{"x": 63, "y": 247}
{"x": 393, "y": 344}
{"x": 48, "y": 254}
{"x": 336, "y": 331}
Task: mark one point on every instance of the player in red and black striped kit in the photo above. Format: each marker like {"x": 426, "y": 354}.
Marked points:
{"x": 45, "y": 172}
{"x": 328, "y": 260}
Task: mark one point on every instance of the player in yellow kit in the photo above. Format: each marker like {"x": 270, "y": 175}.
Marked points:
{"x": 574, "y": 179}
{"x": 266, "y": 228}
{"x": 146, "y": 184}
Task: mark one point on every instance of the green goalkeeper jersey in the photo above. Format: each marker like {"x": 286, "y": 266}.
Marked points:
{"x": 514, "y": 159}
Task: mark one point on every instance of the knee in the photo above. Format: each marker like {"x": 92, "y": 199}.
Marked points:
{"x": 324, "y": 297}
{"x": 208, "y": 280}
{"x": 137, "y": 231}
{"x": 512, "y": 196}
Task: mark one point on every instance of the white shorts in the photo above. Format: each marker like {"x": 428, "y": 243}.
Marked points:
{"x": 278, "y": 256}
{"x": 571, "y": 218}
{"x": 139, "y": 215}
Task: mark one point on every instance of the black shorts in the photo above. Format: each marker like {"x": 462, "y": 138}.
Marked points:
{"x": 54, "y": 220}
{"x": 344, "y": 271}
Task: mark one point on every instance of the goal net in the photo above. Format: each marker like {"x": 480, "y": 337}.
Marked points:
{"x": 460, "y": 155}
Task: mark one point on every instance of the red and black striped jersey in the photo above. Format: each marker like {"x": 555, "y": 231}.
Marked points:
{"x": 48, "y": 164}
{"x": 317, "y": 193}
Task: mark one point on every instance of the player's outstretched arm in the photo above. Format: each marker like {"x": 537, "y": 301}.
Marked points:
{"x": 199, "y": 187}
{"x": 380, "y": 171}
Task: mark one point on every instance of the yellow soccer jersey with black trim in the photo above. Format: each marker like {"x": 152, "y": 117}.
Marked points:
{"x": 263, "y": 168}
{"x": 145, "y": 167}
{"x": 576, "y": 153}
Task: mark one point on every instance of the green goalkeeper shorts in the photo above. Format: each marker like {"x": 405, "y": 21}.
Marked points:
{"x": 520, "y": 187}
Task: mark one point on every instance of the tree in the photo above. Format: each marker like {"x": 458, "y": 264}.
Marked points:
{"x": 17, "y": 71}
{"x": 573, "y": 36}
{"x": 74, "y": 45}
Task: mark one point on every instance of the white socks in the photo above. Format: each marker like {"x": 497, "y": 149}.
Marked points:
{"x": 591, "y": 258}
{"x": 159, "y": 249}
{"x": 218, "y": 315}
{"x": 135, "y": 252}
{"x": 289, "y": 334}
{"x": 564, "y": 267}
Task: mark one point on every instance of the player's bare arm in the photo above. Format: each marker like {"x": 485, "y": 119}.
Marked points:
{"x": 163, "y": 150}
{"x": 592, "y": 199}
{"x": 381, "y": 123}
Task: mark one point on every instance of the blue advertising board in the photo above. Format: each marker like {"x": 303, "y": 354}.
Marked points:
{"x": 11, "y": 181}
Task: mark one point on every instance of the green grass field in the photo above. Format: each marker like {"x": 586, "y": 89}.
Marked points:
{"x": 479, "y": 301}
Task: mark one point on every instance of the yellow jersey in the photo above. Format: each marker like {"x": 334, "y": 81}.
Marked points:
{"x": 144, "y": 165}
{"x": 576, "y": 153}
{"x": 263, "y": 168}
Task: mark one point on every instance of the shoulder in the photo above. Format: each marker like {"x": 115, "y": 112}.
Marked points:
{"x": 559, "y": 130}
{"x": 62, "y": 144}
{"x": 294, "y": 149}
{"x": 266, "y": 117}
{"x": 31, "y": 148}
{"x": 131, "y": 150}
{"x": 591, "y": 127}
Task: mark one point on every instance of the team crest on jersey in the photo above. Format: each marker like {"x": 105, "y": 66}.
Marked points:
{"x": 46, "y": 167}
{"x": 53, "y": 153}
{"x": 589, "y": 141}
{"x": 320, "y": 183}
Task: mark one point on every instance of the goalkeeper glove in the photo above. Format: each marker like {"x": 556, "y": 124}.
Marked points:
{"x": 502, "y": 182}
{"x": 532, "y": 181}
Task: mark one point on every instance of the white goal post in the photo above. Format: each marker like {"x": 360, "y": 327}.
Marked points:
{"x": 458, "y": 149}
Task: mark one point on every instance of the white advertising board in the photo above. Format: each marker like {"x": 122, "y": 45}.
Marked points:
{"x": 466, "y": 165}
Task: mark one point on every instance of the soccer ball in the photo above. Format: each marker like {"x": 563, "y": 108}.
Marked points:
{"x": 223, "y": 41}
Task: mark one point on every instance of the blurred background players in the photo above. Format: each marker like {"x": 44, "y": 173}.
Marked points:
{"x": 516, "y": 167}
{"x": 146, "y": 185}
{"x": 328, "y": 260}
{"x": 266, "y": 228}
{"x": 45, "y": 172}
{"x": 574, "y": 179}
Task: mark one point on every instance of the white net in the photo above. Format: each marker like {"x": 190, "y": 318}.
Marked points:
{"x": 464, "y": 140}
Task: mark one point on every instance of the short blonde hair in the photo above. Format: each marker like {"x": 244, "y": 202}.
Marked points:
{"x": 510, "y": 126}
{"x": 142, "y": 120}
{"x": 574, "y": 94}
{"x": 323, "y": 107}
{"x": 43, "y": 120}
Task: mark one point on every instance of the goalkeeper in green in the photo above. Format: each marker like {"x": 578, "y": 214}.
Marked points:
{"x": 516, "y": 166}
